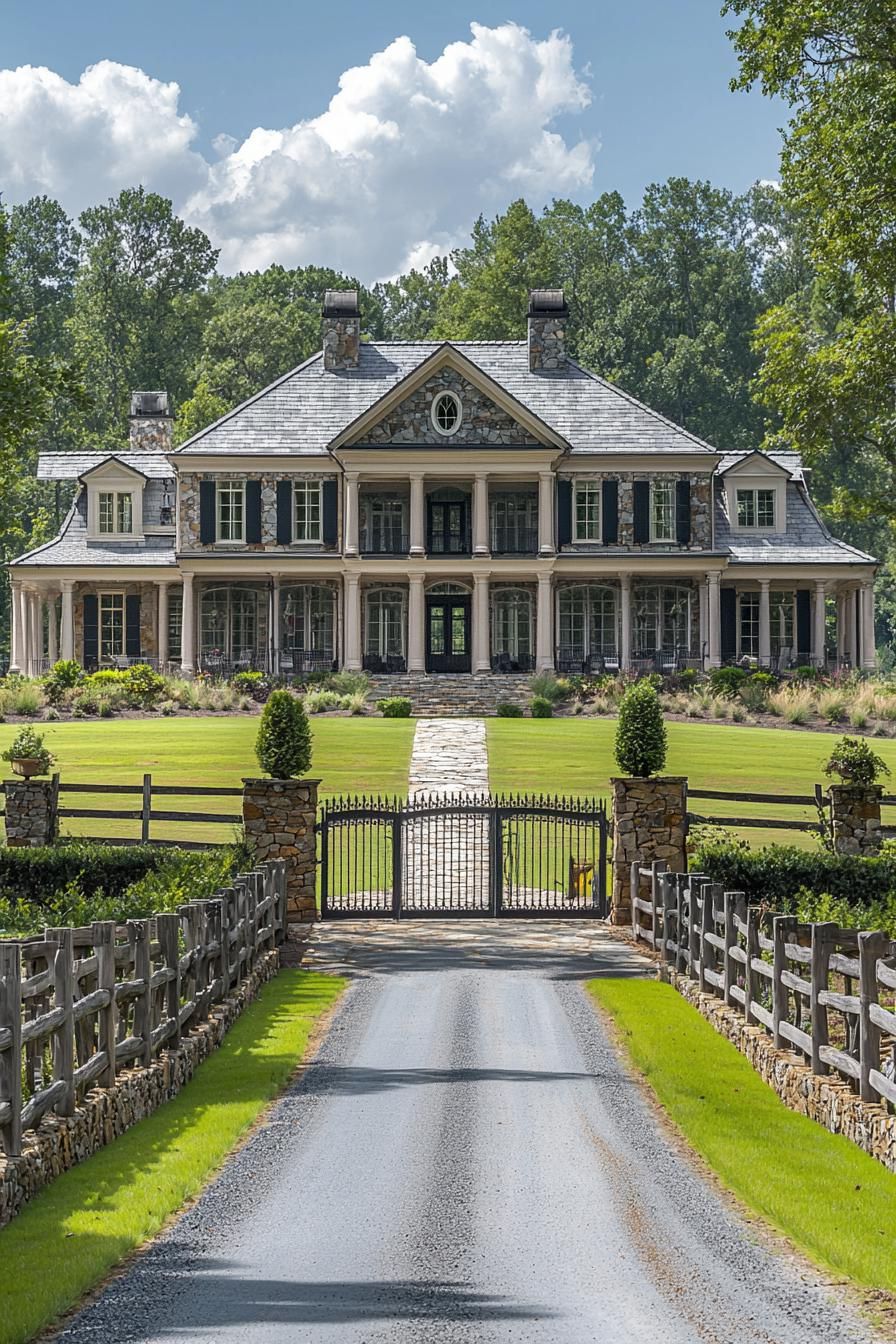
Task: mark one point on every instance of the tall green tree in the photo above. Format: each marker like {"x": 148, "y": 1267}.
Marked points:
{"x": 410, "y": 304}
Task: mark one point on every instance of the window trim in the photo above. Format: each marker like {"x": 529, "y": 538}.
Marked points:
{"x": 303, "y": 484}
{"x": 116, "y": 496}
{"x": 230, "y": 487}
{"x": 669, "y": 488}
{"x": 458, "y": 406}
{"x": 117, "y": 597}
{"x": 754, "y": 491}
{"x": 594, "y": 487}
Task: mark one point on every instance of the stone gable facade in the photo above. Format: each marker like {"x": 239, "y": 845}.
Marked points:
{"x": 484, "y": 422}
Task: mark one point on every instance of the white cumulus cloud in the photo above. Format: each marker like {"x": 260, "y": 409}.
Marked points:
{"x": 399, "y": 164}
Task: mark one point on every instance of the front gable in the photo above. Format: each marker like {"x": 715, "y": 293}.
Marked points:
{"x": 483, "y": 421}
{"x": 113, "y": 470}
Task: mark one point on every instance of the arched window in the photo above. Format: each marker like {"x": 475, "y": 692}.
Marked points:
{"x": 511, "y": 629}
{"x": 232, "y": 627}
{"x": 449, "y": 589}
{"x": 587, "y": 621}
{"x": 384, "y": 623}
{"x": 307, "y": 627}
{"x": 662, "y": 618}
{"x": 447, "y": 413}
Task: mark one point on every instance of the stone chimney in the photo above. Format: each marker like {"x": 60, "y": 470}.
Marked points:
{"x": 547, "y": 329}
{"x": 341, "y": 329}
{"x": 150, "y": 423}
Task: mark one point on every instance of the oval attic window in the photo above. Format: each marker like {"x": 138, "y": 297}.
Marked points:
{"x": 446, "y": 413}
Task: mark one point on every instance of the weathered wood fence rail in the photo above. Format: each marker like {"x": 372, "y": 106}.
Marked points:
{"x": 76, "y": 1004}
{"x": 824, "y": 991}
{"x": 816, "y": 800}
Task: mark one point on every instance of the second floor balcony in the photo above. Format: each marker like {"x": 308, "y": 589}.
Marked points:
{"x": 447, "y": 523}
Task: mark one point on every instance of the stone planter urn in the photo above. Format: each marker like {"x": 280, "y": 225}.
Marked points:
{"x": 28, "y": 766}
{"x": 649, "y": 822}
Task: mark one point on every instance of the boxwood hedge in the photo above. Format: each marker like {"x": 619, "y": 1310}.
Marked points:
{"x": 777, "y": 874}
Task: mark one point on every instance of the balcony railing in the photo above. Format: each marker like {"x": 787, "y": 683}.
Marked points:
{"x": 573, "y": 660}
{"x": 384, "y": 662}
{"x": 505, "y": 661}
{"x": 390, "y": 543}
{"x": 514, "y": 541}
{"x": 295, "y": 662}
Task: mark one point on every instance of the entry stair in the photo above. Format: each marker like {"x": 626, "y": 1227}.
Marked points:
{"x": 453, "y": 695}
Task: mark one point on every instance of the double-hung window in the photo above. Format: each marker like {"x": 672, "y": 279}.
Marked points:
{"x": 662, "y": 511}
{"x": 116, "y": 513}
{"x": 756, "y": 508}
{"x": 111, "y": 625}
{"x": 587, "y": 511}
{"x": 231, "y": 511}
{"x": 306, "y": 499}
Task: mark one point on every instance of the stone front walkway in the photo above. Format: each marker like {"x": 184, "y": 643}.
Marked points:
{"x": 446, "y": 858}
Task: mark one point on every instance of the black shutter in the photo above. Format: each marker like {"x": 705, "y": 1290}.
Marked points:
{"x": 683, "y": 512}
{"x": 329, "y": 514}
{"x": 91, "y": 631}
{"x": 728, "y": 618}
{"x": 564, "y": 513}
{"x": 284, "y": 513}
{"x": 253, "y": 512}
{"x": 803, "y": 625}
{"x": 641, "y": 511}
{"x": 610, "y": 511}
{"x": 207, "y": 499}
{"x": 132, "y": 626}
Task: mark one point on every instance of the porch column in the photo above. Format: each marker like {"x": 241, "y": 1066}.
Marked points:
{"x": 853, "y": 647}
{"x": 818, "y": 624}
{"x": 702, "y": 604}
{"x": 188, "y": 629}
{"x": 481, "y": 660}
{"x": 546, "y": 512}
{"x": 544, "y": 651}
{"x": 35, "y": 632}
{"x": 67, "y": 625}
{"x": 352, "y": 623}
{"x": 416, "y": 624}
{"x": 869, "y": 653}
{"x": 625, "y": 607}
{"x": 350, "y": 508}
{"x": 275, "y": 626}
{"x": 417, "y": 528}
{"x": 52, "y": 632}
{"x": 480, "y": 514}
{"x": 715, "y": 620}
{"x": 841, "y": 625}
{"x": 162, "y": 626}
{"x": 765, "y": 624}
{"x": 15, "y": 627}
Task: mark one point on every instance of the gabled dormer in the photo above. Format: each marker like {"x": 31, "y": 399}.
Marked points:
{"x": 756, "y": 494}
{"x": 114, "y": 501}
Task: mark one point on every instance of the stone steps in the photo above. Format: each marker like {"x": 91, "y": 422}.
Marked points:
{"x": 453, "y": 695}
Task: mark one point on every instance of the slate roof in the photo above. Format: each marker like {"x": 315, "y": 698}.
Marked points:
{"x": 73, "y": 547}
{"x": 806, "y": 541}
{"x": 72, "y": 466}
{"x": 790, "y": 461}
{"x": 307, "y": 408}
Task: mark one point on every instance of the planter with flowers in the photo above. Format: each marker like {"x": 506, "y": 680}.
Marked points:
{"x": 855, "y": 802}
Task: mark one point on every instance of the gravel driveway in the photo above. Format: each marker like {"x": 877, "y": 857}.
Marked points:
{"x": 466, "y": 1160}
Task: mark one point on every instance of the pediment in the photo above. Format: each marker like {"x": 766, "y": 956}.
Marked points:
{"x": 757, "y": 464}
{"x": 112, "y": 469}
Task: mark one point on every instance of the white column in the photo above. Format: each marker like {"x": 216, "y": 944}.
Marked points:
{"x": 818, "y": 624}
{"x": 24, "y": 631}
{"x": 417, "y": 522}
{"x": 52, "y": 632}
{"x": 544, "y": 645}
{"x": 188, "y": 629}
{"x": 481, "y": 660}
{"x": 352, "y": 623}
{"x": 67, "y": 624}
{"x": 625, "y": 604}
{"x": 275, "y": 631}
{"x": 869, "y": 652}
{"x": 35, "y": 633}
{"x": 702, "y": 604}
{"x": 162, "y": 623}
{"x": 480, "y": 514}
{"x": 715, "y": 620}
{"x": 15, "y": 629}
{"x": 765, "y": 624}
{"x": 416, "y": 624}
{"x": 350, "y": 513}
{"x": 546, "y": 512}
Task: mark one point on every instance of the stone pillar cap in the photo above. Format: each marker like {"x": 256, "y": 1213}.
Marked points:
{"x": 269, "y": 779}
{"x": 648, "y": 779}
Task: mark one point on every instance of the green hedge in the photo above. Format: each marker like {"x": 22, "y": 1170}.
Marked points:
{"x": 779, "y": 874}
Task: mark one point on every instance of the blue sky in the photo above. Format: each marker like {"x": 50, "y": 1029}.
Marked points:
{"x": 633, "y": 93}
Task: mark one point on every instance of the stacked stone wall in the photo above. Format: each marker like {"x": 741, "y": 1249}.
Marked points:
{"x": 32, "y": 812}
{"x": 484, "y": 422}
{"x": 649, "y": 822}
{"x": 341, "y": 342}
{"x": 188, "y": 512}
{"x": 701, "y": 509}
{"x": 855, "y": 818}
{"x": 279, "y": 817}
{"x": 547, "y": 342}
{"x": 148, "y": 594}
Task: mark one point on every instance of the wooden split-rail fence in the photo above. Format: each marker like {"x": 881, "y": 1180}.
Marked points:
{"x": 77, "y": 1004}
{"x": 826, "y": 992}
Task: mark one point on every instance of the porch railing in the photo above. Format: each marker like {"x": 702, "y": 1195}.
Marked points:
{"x": 392, "y": 543}
{"x": 514, "y": 541}
{"x": 505, "y": 661}
{"x": 384, "y": 663}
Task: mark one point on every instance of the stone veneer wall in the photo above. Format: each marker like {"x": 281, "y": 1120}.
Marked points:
{"x": 150, "y": 434}
{"x": 828, "y": 1100}
{"x": 483, "y": 420}
{"x": 188, "y": 520}
{"x": 279, "y": 816}
{"x": 59, "y": 1142}
{"x": 855, "y": 818}
{"x": 341, "y": 341}
{"x": 547, "y": 341}
{"x": 32, "y": 812}
{"x": 701, "y": 510}
{"x": 149, "y": 610}
{"x": 648, "y": 823}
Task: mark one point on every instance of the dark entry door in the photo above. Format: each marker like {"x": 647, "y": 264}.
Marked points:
{"x": 448, "y": 634}
{"x": 448, "y": 528}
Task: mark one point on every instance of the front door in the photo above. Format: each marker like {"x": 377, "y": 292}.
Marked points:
{"x": 447, "y": 528}
{"x": 448, "y": 634}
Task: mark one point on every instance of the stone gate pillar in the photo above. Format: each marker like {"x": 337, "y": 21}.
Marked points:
{"x": 855, "y": 817}
{"x": 279, "y": 817}
{"x": 32, "y": 811}
{"x": 648, "y": 823}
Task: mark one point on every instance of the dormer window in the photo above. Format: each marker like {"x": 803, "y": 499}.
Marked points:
{"x": 116, "y": 513}
{"x": 756, "y": 509}
{"x": 447, "y": 413}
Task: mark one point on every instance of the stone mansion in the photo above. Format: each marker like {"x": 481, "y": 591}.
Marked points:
{"x": 437, "y": 507}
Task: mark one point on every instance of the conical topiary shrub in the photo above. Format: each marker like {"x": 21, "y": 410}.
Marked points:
{"x": 283, "y": 745}
{"x": 640, "y": 732}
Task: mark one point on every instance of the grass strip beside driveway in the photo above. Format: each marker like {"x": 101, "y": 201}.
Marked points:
{"x": 830, "y": 1199}
{"x": 76, "y": 1230}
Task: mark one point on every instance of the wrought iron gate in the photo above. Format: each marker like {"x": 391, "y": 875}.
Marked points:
{"x": 463, "y": 856}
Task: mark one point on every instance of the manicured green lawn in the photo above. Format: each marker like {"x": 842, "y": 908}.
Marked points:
{"x": 357, "y": 755}
{"x": 73, "y": 1232}
{"x": 830, "y": 1199}
{"x": 575, "y": 756}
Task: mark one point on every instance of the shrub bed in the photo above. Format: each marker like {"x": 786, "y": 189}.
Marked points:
{"x": 781, "y": 875}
